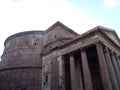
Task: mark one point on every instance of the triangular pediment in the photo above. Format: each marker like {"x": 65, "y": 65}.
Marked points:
{"x": 111, "y": 34}
{"x": 59, "y": 32}
{"x": 63, "y": 26}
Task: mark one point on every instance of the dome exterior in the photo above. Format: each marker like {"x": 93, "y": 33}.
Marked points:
{"x": 26, "y": 63}
{"x": 21, "y": 61}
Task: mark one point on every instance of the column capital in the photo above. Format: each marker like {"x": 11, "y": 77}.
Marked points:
{"x": 71, "y": 54}
{"x": 117, "y": 56}
{"x": 112, "y": 53}
{"x": 99, "y": 42}
{"x": 107, "y": 50}
{"x": 61, "y": 57}
{"x": 83, "y": 49}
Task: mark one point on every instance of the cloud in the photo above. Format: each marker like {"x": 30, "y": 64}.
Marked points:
{"x": 111, "y": 3}
{"x": 21, "y": 15}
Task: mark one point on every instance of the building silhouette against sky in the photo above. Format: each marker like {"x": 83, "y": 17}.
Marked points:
{"x": 61, "y": 59}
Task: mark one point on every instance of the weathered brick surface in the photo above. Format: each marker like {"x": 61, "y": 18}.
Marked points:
{"x": 55, "y": 75}
{"x": 22, "y": 64}
{"x": 26, "y": 60}
{"x": 57, "y": 32}
{"x": 28, "y": 79}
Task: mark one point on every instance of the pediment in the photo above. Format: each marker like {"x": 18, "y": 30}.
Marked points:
{"x": 63, "y": 26}
{"x": 58, "y": 32}
{"x": 111, "y": 34}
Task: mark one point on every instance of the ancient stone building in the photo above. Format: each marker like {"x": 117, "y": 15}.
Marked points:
{"x": 61, "y": 59}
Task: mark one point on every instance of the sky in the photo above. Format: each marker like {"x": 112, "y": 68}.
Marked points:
{"x": 80, "y": 15}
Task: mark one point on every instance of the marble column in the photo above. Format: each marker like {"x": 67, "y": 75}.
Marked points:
{"x": 103, "y": 68}
{"x": 118, "y": 62}
{"x": 116, "y": 69}
{"x": 111, "y": 70}
{"x": 86, "y": 71}
{"x": 79, "y": 74}
{"x": 61, "y": 73}
{"x": 72, "y": 73}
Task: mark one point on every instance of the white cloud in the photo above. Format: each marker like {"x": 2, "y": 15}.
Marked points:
{"x": 110, "y": 3}
{"x": 22, "y": 15}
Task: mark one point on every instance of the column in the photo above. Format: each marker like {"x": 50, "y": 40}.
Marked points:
{"x": 118, "y": 61}
{"x": 79, "y": 74}
{"x": 72, "y": 72}
{"x": 111, "y": 70}
{"x": 86, "y": 71}
{"x": 103, "y": 68}
{"x": 116, "y": 69}
{"x": 61, "y": 73}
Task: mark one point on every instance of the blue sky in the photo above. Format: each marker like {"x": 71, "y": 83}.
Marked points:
{"x": 106, "y": 11}
{"x": 80, "y": 15}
